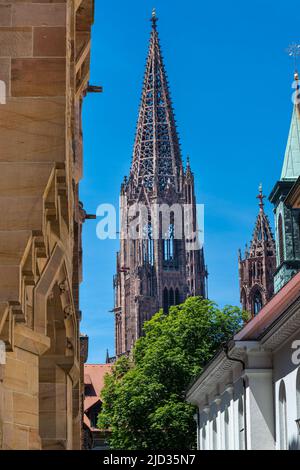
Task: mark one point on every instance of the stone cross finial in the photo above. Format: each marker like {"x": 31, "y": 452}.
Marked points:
{"x": 261, "y": 197}
{"x": 154, "y": 18}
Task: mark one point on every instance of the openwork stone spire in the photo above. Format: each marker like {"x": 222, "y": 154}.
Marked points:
{"x": 258, "y": 266}
{"x": 156, "y": 159}
{"x": 262, "y": 236}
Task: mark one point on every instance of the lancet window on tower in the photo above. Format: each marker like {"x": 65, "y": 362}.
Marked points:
{"x": 148, "y": 245}
{"x": 166, "y": 300}
{"x": 169, "y": 244}
{"x": 257, "y": 303}
{"x": 171, "y": 297}
{"x": 177, "y": 296}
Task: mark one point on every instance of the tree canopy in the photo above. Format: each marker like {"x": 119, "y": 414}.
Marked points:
{"x": 143, "y": 399}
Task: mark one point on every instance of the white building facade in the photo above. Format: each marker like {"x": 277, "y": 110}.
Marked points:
{"x": 248, "y": 396}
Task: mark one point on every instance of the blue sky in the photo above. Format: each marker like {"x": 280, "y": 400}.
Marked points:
{"x": 230, "y": 81}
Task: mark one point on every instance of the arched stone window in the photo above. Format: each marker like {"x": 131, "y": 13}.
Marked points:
{"x": 149, "y": 244}
{"x": 282, "y": 417}
{"x": 166, "y": 300}
{"x": 280, "y": 239}
{"x": 171, "y": 297}
{"x": 170, "y": 247}
{"x": 241, "y": 423}
{"x": 177, "y": 297}
{"x": 256, "y": 302}
{"x": 169, "y": 242}
{"x": 244, "y": 299}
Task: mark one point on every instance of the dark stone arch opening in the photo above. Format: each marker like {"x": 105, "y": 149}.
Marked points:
{"x": 166, "y": 300}
{"x": 257, "y": 302}
{"x": 177, "y": 296}
{"x": 171, "y": 297}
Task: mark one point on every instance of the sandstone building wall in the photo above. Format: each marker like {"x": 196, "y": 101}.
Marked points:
{"x": 44, "y": 63}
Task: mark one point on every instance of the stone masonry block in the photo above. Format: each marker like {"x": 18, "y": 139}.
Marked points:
{"x": 49, "y": 42}
{"x": 38, "y": 77}
{"x": 15, "y": 42}
{"x": 32, "y": 14}
{"x": 5, "y": 15}
{"x": 33, "y": 129}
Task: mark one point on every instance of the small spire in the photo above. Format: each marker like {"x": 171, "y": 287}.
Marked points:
{"x": 154, "y": 18}
{"x": 188, "y": 170}
{"x": 261, "y": 197}
{"x": 107, "y": 357}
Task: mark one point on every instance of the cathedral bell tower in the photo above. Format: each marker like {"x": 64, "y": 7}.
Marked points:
{"x": 257, "y": 268}
{"x": 157, "y": 267}
{"x": 287, "y": 220}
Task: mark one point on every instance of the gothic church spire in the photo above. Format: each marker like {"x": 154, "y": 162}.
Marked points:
{"x": 258, "y": 266}
{"x": 156, "y": 267}
{"x": 156, "y": 157}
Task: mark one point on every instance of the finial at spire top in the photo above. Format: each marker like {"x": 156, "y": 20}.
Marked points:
{"x": 294, "y": 51}
{"x": 154, "y": 18}
{"x": 261, "y": 197}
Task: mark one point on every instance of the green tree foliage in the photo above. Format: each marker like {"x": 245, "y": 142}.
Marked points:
{"x": 144, "y": 403}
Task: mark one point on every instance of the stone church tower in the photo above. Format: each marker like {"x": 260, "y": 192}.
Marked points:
{"x": 258, "y": 266}
{"x": 156, "y": 272}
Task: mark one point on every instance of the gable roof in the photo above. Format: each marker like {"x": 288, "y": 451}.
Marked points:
{"x": 94, "y": 375}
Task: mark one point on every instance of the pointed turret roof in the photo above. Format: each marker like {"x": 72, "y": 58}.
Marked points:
{"x": 262, "y": 238}
{"x": 291, "y": 164}
{"x": 156, "y": 157}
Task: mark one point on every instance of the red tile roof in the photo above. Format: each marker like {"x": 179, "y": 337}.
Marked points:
{"x": 90, "y": 401}
{"x": 87, "y": 380}
{"x": 94, "y": 375}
